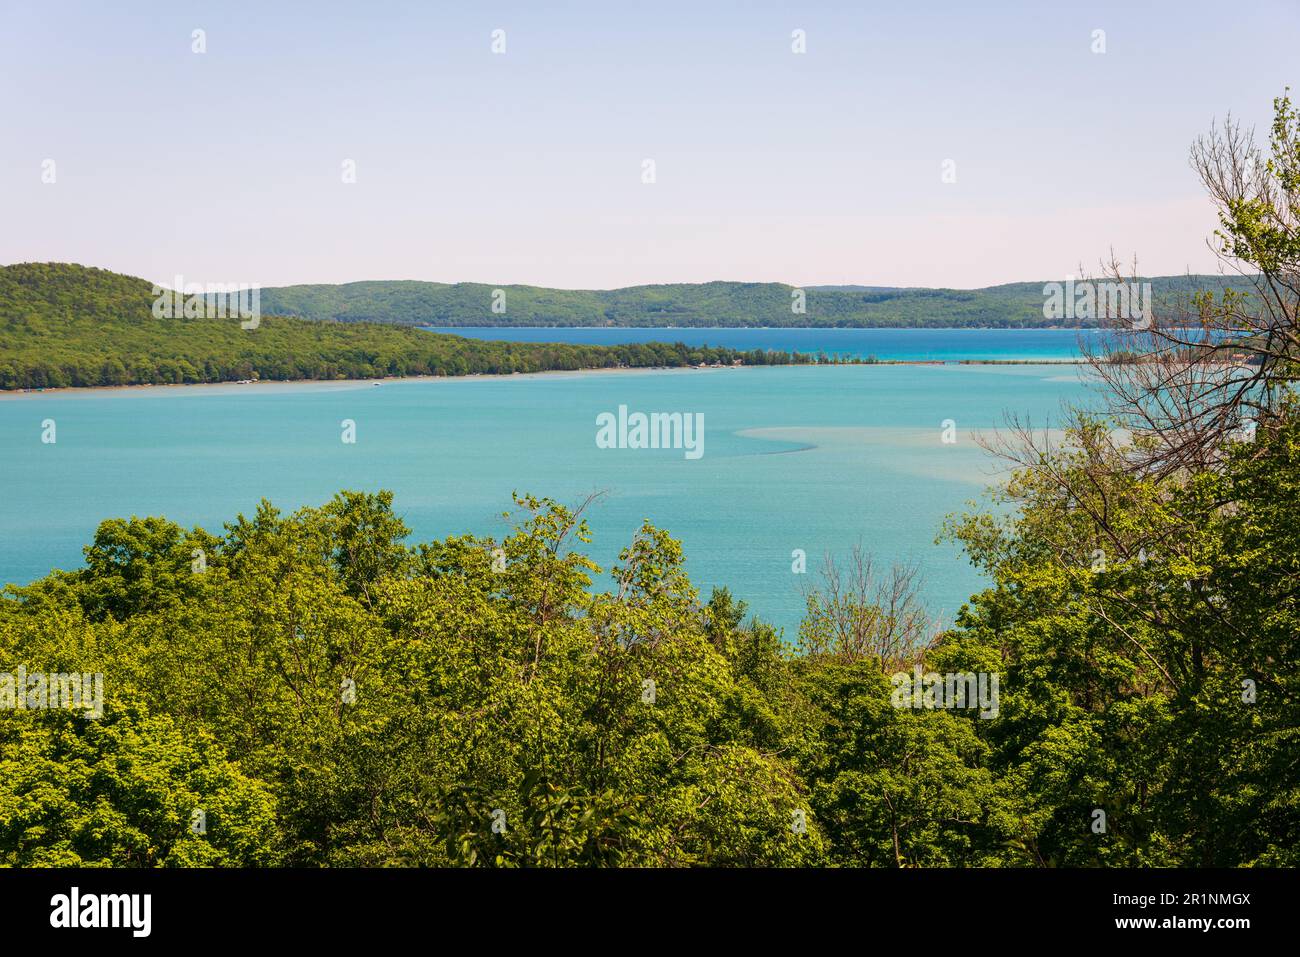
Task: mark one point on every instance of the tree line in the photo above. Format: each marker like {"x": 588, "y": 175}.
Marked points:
{"x": 710, "y": 304}
{"x": 63, "y": 325}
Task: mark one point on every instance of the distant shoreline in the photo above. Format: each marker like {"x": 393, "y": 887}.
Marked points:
{"x": 242, "y": 383}
{"x": 236, "y": 384}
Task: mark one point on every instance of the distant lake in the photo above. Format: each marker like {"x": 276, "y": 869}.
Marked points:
{"x": 908, "y": 344}
{"x": 795, "y": 457}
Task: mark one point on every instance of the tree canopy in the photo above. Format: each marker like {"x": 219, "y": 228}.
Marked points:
{"x": 63, "y": 325}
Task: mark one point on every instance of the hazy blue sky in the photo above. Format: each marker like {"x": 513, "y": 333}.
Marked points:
{"x": 526, "y": 167}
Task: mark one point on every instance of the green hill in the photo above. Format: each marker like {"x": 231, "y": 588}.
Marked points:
{"x": 68, "y": 325}
{"x": 699, "y": 305}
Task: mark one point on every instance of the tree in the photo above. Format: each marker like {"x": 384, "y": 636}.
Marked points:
{"x": 859, "y": 614}
{"x": 1191, "y": 380}
{"x": 127, "y": 790}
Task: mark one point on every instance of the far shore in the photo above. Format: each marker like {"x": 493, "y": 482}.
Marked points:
{"x": 245, "y": 383}
{"x": 99, "y": 389}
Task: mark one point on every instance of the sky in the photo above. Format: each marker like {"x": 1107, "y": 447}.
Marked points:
{"x": 529, "y": 165}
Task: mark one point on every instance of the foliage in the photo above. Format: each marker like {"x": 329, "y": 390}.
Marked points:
{"x": 122, "y": 790}
{"x": 63, "y": 325}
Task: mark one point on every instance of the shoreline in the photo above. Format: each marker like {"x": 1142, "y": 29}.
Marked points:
{"x": 236, "y": 384}
{"x": 245, "y": 383}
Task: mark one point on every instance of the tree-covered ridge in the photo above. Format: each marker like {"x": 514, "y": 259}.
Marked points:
{"x": 328, "y": 695}
{"x": 65, "y": 325}
{"x": 703, "y": 305}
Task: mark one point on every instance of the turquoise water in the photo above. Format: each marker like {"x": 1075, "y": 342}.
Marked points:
{"x": 794, "y": 458}
{"x": 911, "y": 344}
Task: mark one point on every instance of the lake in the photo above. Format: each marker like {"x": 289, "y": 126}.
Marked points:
{"x": 811, "y": 458}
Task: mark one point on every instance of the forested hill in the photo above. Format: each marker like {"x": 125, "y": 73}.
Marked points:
{"x": 706, "y": 304}
{"x": 67, "y": 325}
